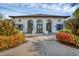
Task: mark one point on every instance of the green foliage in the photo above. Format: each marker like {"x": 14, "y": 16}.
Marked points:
{"x": 66, "y": 30}
{"x": 72, "y": 25}
{"x": 15, "y": 31}
{"x": 77, "y": 32}
{"x": 73, "y": 4}
{"x": 77, "y": 41}
{"x": 76, "y": 13}
{"x": 6, "y": 27}
{"x": 1, "y": 16}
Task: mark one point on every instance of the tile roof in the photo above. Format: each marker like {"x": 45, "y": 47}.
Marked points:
{"x": 39, "y": 15}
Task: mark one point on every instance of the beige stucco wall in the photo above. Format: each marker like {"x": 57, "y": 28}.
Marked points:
{"x": 24, "y": 21}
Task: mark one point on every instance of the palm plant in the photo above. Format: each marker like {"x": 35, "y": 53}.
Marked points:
{"x": 73, "y": 24}
{"x": 6, "y": 27}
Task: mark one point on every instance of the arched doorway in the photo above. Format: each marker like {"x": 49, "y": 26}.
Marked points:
{"x": 39, "y": 26}
{"x": 48, "y": 26}
{"x": 30, "y": 26}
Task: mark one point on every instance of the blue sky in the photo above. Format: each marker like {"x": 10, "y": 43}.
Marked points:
{"x": 12, "y": 9}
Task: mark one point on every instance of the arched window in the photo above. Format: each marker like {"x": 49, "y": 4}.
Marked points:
{"x": 48, "y": 28}
{"x": 39, "y": 26}
{"x": 30, "y": 26}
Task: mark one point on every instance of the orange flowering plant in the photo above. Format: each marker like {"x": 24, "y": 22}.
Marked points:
{"x": 68, "y": 38}
{"x": 65, "y": 37}
{"x": 71, "y": 24}
{"x": 9, "y": 35}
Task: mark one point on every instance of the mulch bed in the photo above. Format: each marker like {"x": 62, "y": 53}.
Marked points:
{"x": 68, "y": 44}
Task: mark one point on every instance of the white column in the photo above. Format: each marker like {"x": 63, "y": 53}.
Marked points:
{"x": 53, "y": 26}
{"x": 64, "y": 24}
{"x": 34, "y": 27}
{"x": 44, "y": 27}
{"x": 25, "y": 29}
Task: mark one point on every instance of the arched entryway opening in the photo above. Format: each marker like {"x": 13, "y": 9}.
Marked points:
{"x": 30, "y": 26}
{"x": 39, "y": 26}
{"x": 48, "y": 26}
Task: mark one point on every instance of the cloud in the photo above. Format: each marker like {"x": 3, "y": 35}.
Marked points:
{"x": 31, "y": 8}
{"x": 57, "y": 7}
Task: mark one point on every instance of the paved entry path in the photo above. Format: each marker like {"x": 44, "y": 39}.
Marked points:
{"x": 41, "y": 46}
{"x": 53, "y": 48}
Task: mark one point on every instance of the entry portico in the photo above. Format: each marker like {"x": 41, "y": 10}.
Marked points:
{"x": 39, "y": 23}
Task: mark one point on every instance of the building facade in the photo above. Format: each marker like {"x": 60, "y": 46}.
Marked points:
{"x": 39, "y": 23}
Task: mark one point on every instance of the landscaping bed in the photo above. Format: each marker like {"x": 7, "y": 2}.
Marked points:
{"x": 10, "y": 41}
{"x": 70, "y": 35}
{"x": 10, "y": 36}
{"x": 4, "y": 49}
{"x": 67, "y": 38}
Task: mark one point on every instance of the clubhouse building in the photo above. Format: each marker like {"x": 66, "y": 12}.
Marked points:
{"x": 39, "y": 23}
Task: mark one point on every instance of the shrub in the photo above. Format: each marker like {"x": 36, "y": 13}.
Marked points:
{"x": 66, "y": 30}
{"x": 9, "y": 35}
{"x": 77, "y": 32}
{"x": 11, "y": 41}
{"x": 65, "y": 37}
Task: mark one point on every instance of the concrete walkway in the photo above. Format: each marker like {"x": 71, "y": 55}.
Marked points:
{"x": 30, "y": 48}
{"x": 41, "y": 46}
{"x": 53, "y": 48}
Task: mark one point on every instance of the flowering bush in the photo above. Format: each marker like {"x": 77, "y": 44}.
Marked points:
{"x": 66, "y": 37}
{"x": 11, "y": 41}
{"x": 71, "y": 33}
{"x": 66, "y": 30}
{"x": 9, "y": 35}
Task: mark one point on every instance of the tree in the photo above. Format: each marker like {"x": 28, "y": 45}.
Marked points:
{"x": 76, "y": 13}
{"x": 73, "y": 24}
{"x": 73, "y": 4}
{"x": 1, "y": 16}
